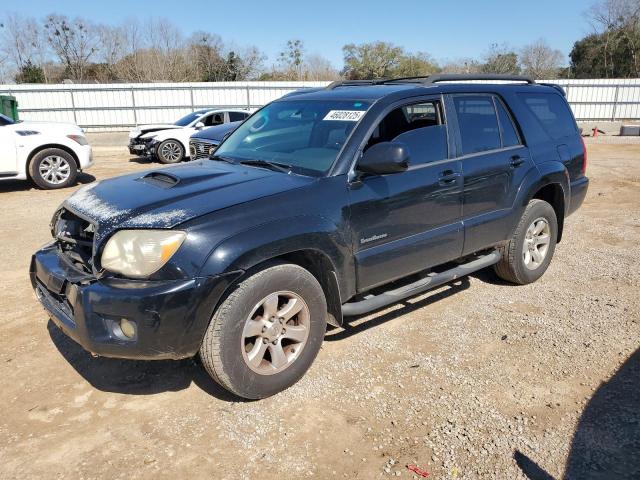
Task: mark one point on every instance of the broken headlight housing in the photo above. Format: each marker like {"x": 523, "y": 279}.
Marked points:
{"x": 139, "y": 253}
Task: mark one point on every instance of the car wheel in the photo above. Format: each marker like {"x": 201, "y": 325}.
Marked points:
{"x": 170, "y": 151}
{"x": 267, "y": 332}
{"x": 53, "y": 168}
{"x": 528, "y": 253}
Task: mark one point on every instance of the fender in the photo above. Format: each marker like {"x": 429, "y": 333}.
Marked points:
{"x": 547, "y": 173}
{"x": 253, "y": 246}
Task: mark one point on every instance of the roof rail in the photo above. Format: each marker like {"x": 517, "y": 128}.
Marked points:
{"x": 430, "y": 79}
{"x": 456, "y": 77}
{"x": 355, "y": 83}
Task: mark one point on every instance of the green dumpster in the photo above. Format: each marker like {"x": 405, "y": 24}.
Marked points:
{"x": 9, "y": 106}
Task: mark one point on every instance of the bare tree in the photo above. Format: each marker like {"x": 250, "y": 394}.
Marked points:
{"x": 501, "y": 59}
{"x": 539, "y": 60}
{"x": 316, "y": 68}
{"x": 24, "y": 44}
{"x": 74, "y": 42}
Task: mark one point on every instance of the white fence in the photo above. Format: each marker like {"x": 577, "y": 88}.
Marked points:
{"x": 120, "y": 106}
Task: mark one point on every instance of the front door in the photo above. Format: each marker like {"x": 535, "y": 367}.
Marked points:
{"x": 8, "y": 158}
{"x": 406, "y": 222}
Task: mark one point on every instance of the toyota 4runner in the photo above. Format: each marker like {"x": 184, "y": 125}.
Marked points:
{"x": 324, "y": 204}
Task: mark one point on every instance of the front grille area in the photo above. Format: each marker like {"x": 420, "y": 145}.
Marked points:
{"x": 75, "y": 239}
{"x": 199, "y": 149}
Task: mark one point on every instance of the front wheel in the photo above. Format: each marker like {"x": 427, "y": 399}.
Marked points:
{"x": 266, "y": 334}
{"x": 528, "y": 253}
{"x": 53, "y": 168}
{"x": 170, "y": 151}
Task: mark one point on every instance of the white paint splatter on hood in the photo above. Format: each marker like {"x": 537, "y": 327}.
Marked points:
{"x": 86, "y": 202}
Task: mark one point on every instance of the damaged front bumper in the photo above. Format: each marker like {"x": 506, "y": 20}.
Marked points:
{"x": 170, "y": 317}
{"x": 142, "y": 147}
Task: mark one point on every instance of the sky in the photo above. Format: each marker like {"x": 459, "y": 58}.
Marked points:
{"x": 447, "y": 30}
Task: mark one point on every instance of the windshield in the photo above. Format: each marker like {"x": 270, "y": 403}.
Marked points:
{"x": 4, "y": 120}
{"x": 306, "y": 134}
{"x": 187, "y": 119}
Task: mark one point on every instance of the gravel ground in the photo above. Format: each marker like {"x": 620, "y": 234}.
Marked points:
{"x": 478, "y": 379}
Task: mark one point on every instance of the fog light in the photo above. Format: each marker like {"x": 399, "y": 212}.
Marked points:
{"x": 127, "y": 328}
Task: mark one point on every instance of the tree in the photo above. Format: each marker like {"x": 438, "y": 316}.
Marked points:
{"x": 539, "y": 60}
{"x": 416, "y": 65}
{"x": 30, "y": 73}
{"x": 316, "y": 68}
{"x": 210, "y": 66}
{"x": 23, "y": 44}
{"x": 74, "y": 43}
{"x": 501, "y": 59}
{"x": 291, "y": 58}
{"x": 371, "y": 60}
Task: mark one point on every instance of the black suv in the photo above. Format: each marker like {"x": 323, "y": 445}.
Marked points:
{"x": 323, "y": 204}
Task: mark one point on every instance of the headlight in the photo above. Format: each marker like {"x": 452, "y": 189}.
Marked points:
{"x": 139, "y": 253}
{"x": 81, "y": 139}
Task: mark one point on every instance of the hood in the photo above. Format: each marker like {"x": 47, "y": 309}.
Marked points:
{"x": 142, "y": 129}
{"x": 46, "y": 127}
{"x": 166, "y": 197}
{"x": 217, "y": 132}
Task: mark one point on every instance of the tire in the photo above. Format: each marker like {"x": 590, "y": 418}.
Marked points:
{"x": 515, "y": 265}
{"x": 170, "y": 151}
{"x": 238, "y": 333}
{"x": 53, "y": 168}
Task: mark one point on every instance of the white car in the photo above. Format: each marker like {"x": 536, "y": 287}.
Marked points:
{"x": 169, "y": 143}
{"x": 49, "y": 154}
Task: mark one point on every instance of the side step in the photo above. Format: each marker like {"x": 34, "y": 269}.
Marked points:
{"x": 376, "y": 302}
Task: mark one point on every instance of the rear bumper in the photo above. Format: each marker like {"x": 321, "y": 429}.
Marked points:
{"x": 170, "y": 316}
{"x": 578, "y": 192}
{"x": 85, "y": 156}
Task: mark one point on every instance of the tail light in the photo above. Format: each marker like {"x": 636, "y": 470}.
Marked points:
{"x": 584, "y": 156}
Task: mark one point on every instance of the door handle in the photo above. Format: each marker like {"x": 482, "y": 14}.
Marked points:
{"x": 516, "y": 161}
{"x": 448, "y": 177}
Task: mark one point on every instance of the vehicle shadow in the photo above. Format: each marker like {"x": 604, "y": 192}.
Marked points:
{"x": 352, "y": 325}
{"x": 142, "y": 160}
{"x": 26, "y": 185}
{"x": 136, "y": 377}
{"x": 606, "y": 443}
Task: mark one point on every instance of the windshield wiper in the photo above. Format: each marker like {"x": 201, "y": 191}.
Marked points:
{"x": 222, "y": 159}
{"x": 278, "y": 167}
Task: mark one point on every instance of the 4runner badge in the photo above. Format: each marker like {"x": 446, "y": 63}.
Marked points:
{"x": 373, "y": 238}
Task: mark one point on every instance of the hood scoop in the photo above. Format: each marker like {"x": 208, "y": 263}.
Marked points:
{"x": 160, "y": 179}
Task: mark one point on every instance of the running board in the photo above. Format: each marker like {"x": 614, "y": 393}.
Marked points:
{"x": 376, "y": 302}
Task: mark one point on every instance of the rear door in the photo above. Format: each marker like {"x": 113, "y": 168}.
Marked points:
{"x": 494, "y": 163}
{"x": 406, "y": 222}
{"x": 8, "y": 155}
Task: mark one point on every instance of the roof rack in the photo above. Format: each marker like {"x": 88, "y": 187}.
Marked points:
{"x": 355, "y": 83}
{"x": 455, "y": 77}
{"x": 431, "y": 79}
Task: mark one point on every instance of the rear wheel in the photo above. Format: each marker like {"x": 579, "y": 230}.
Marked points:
{"x": 528, "y": 253}
{"x": 170, "y": 151}
{"x": 267, "y": 332}
{"x": 53, "y": 168}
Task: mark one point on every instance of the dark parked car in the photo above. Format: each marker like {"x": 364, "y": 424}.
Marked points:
{"x": 203, "y": 143}
{"x": 323, "y": 204}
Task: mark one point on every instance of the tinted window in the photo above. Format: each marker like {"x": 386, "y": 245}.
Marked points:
{"x": 419, "y": 126}
{"x": 552, "y": 112}
{"x": 212, "y": 120}
{"x": 478, "y": 123}
{"x": 509, "y": 133}
{"x": 187, "y": 119}
{"x": 237, "y": 116}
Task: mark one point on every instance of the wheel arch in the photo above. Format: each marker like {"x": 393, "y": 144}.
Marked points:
{"x": 553, "y": 194}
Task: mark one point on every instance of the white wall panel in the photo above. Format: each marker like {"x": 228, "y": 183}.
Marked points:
{"x": 120, "y": 106}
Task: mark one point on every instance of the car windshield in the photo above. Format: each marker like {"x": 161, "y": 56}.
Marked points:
{"x": 306, "y": 135}
{"x": 4, "y": 120}
{"x": 187, "y": 119}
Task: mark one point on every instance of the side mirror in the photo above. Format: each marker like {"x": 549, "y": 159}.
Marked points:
{"x": 199, "y": 126}
{"x": 384, "y": 158}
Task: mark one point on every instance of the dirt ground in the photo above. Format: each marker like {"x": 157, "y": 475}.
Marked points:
{"x": 478, "y": 379}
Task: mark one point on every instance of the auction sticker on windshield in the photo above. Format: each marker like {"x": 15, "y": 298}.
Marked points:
{"x": 345, "y": 115}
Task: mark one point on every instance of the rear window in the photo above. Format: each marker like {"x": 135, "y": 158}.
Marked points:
{"x": 552, "y": 112}
{"x": 509, "y": 134}
{"x": 478, "y": 123}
